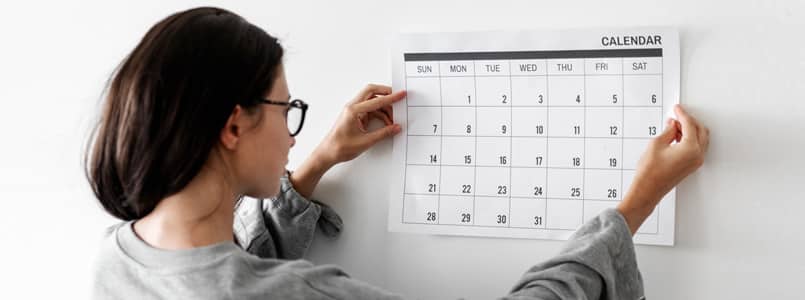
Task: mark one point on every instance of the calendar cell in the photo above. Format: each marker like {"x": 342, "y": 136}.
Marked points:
{"x": 494, "y": 121}
{"x": 564, "y": 214}
{"x": 603, "y": 122}
{"x": 565, "y": 122}
{"x": 642, "y": 90}
{"x": 566, "y": 90}
{"x": 458, "y": 151}
{"x": 493, "y": 91}
{"x": 492, "y": 68}
{"x": 529, "y": 152}
{"x": 528, "y": 182}
{"x": 565, "y": 184}
{"x": 566, "y": 153}
{"x": 456, "y": 210}
{"x": 642, "y": 122}
{"x": 594, "y": 208}
{"x": 422, "y": 69}
{"x": 492, "y": 211}
{"x": 604, "y": 90}
{"x": 632, "y": 151}
{"x": 603, "y": 66}
{"x": 528, "y": 67}
{"x": 423, "y": 91}
{"x": 642, "y": 65}
{"x": 422, "y": 179}
{"x": 603, "y": 154}
{"x": 565, "y": 67}
{"x": 457, "y": 181}
{"x": 493, "y": 151}
{"x": 651, "y": 224}
{"x": 529, "y": 91}
{"x": 492, "y": 181}
{"x": 528, "y": 212}
{"x": 628, "y": 177}
{"x": 421, "y": 209}
{"x": 458, "y": 121}
{"x": 425, "y": 120}
{"x": 458, "y": 91}
{"x": 529, "y": 121}
{"x": 602, "y": 184}
{"x": 424, "y": 150}
{"x": 457, "y": 68}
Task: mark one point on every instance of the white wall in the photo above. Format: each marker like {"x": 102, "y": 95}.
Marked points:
{"x": 739, "y": 219}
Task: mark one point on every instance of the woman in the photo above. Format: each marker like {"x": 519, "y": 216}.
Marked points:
{"x": 198, "y": 116}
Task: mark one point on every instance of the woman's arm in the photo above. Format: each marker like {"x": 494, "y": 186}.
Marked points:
{"x": 598, "y": 262}
{"x": 664, "y": 165}
{"x": 284, "y": 226}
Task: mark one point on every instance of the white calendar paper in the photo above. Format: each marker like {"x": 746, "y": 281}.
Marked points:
{"x": 527, "y": 134}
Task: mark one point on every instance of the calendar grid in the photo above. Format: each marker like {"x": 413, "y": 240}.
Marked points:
{"x": 449, "y": 111}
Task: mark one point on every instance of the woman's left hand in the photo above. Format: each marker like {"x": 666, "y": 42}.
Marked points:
{"x": 351, "y": 135}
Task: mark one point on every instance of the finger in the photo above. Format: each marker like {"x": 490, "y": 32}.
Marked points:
{"x": 371, "y": 90}
{"x": 361, "y": 119}
{"x": 704, "y": 140}
{"x": 688, "y": 123}
{"x": 382, "y": 133}
{"x": 382, "y": 117}
{"x": 668, "y": 135}
{"x": 388, "y": 111}
{"x": 701, "y": 131}
{"x": 378, "y": 102}
{"x": 678, "y": 127}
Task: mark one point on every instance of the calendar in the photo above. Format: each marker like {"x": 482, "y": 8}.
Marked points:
{"x": 527, "y": 134}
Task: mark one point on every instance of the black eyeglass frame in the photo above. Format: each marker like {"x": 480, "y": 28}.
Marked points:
{"x": 296, "y": 103}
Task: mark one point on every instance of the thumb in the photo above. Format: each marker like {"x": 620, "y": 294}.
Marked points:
{"x": 669, "y": 134}
{"x": 382, "y": 133}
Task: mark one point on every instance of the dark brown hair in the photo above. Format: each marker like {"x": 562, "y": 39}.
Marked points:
{"x": 168, "y": 101}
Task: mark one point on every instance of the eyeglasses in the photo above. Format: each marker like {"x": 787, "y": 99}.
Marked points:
{"x": 294, "y": 114}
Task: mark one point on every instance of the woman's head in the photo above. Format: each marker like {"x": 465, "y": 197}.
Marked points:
{"x": 187, "y": 98}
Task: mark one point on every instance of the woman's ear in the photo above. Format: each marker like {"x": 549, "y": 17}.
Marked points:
{"x": 234, "y": 128}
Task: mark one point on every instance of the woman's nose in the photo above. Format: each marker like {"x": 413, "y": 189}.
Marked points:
{"x": 293, "y": 141}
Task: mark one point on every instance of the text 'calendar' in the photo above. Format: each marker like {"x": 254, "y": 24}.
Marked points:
{"x": 527, "y": 134}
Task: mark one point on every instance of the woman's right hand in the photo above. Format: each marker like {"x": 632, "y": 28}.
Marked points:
{"x": 664, "y": 165}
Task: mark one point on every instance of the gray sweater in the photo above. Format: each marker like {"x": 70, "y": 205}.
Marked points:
{"x": 598, "y": 262}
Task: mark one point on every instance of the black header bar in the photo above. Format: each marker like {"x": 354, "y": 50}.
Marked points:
{"x": 650, "y": 52}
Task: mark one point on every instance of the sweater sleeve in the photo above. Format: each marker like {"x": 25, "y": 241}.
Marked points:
{"x": 598, "y": 262}
{"x": 282, "y": 226}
